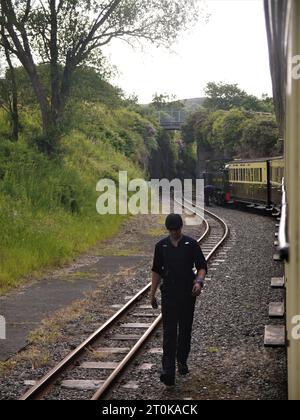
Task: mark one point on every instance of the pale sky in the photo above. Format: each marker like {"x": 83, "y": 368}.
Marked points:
{"x": 231, "y": 47}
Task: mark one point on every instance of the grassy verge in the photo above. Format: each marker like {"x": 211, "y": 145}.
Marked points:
{"x": 51, "y": 240}
{"x": 48, "y": 208}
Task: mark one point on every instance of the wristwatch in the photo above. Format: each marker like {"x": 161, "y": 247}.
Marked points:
{"x": 200, "y": 281}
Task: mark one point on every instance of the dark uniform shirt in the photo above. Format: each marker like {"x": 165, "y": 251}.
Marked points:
{"x": 176, "y": 264}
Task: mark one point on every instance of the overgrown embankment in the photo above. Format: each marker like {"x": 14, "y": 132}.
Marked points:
{"x": 48, "y": 206}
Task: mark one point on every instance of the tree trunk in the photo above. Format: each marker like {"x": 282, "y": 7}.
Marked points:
{"x": 67, "y": 80}
{"x": 54, "y": 67}
{"x": 13, "y": 106}
{"x": 48, "y": 143}
{"x": 14, "y": 109}
{"x": 23, "y": 52}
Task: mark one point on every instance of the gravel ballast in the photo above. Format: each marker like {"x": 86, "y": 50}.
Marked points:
{"x": 228, "y": 359}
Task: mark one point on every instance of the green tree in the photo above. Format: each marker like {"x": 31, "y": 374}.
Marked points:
{"x": 164, "y": 157}
{"x": 261, "y": 138}
{"x": 227, "y": 96}
{"x": 91, "y": 85}
{"x": 164, "y": 102}
{"x": 227, "y": 131}
{"x": 187, "y": 161}
{"x": 214, "y": 132}
{"x": 72, "y": 32}
{"x": 267, "y": 104}
{"x": 88, "y": 85}
{"x": 9, "y": 91}
{"x": 232, "y": 124}
{"x": 196, "y": 131}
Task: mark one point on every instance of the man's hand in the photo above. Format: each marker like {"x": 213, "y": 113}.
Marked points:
{"x": 154, "y": 303}
{"x": 155, "y": 283}
{"x": 197, "y": 289}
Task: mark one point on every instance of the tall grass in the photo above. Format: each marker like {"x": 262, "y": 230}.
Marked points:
{"x": 48, "y": 207}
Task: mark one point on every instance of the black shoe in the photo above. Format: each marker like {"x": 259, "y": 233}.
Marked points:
{"x": 183, "y": 369}
{"x": 168, "y": 380}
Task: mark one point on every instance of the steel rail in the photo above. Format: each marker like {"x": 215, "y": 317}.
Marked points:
{"x": 101, "y": 392}
{"x": 44, "y": 385}
{"x": 221, "y": 221}
{"x": 48, "y": 380}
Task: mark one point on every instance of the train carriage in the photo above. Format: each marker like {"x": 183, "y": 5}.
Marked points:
{"x": 256, "y": 181}
{"x": 276, "y": 177}
{"x": 249, "y": 182}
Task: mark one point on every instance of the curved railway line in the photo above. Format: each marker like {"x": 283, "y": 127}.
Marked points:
{"x": 215, "y": 234}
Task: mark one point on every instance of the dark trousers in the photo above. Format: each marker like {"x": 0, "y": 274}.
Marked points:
{"x": 178, "y": 317}
{"x": 207, "y": 200}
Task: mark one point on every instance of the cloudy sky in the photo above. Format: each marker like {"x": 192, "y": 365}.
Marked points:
{"x": 232, "y": 48}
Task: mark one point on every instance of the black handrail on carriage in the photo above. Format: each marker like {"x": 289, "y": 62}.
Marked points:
{"x": 284, "y": 246}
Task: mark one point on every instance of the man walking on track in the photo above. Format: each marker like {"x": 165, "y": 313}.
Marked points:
{"x": 176, "y": 259}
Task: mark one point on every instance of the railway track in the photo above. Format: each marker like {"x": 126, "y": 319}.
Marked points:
{"x": 136, "y": 315}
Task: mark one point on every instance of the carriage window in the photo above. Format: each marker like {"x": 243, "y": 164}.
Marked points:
{"x": 257, "y": 175}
